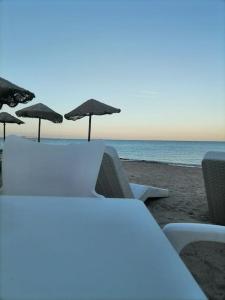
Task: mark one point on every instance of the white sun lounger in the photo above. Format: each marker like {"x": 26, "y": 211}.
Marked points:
{"x": 182, "y": 234}
{"x": 113, "y": 182}
{"x": 87, "y": 248}
{"x": 38, "y": 169}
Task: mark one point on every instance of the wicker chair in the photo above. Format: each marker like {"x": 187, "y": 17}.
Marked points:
{"x": 213, "y": 167}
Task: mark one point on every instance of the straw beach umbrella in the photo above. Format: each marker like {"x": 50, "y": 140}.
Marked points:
{"x": 7, "y": 118}
{"x": 12, "y": 94}
{"x": 40, "y": 111}
{"x": 89, "y": 108}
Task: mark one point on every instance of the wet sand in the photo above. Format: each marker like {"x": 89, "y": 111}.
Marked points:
{"x": 186, "y": 203}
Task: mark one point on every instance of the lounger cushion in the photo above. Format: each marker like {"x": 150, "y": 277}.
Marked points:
{"x": 31, "y": 168}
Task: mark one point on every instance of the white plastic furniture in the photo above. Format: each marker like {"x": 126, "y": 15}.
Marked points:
{"x": 113, "y": 182}
{"x": 87, "y": 248}
{"x": 213, "y": 167}
{"x": 30, "y": 168}
{"x": 182, "y": 234}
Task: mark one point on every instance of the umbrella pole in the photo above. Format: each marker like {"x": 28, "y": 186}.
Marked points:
{"x": 4, "y": 130}
{"x": 39, "y": 130}
{"x": 89, "y": 128}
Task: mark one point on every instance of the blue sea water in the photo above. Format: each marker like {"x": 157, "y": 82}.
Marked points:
{"x": 178, "y": 152}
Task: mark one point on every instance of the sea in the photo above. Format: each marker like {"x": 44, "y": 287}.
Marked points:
{"x": 174, "y": 152}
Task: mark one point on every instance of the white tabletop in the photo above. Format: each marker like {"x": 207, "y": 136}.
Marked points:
{"x": 87, "y": 248}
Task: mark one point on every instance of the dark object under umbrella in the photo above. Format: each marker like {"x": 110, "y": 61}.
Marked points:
{"x": 7, "y": 118}
{"x": 89, "y": 108}
{"x": 40, "y": 111}
{"x": 12, "y": 94}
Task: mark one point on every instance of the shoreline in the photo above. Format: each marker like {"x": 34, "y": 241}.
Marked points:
{"x": 162, "y": 162}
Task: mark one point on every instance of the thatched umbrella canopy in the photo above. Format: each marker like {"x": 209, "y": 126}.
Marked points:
{"x": 7, "y": 118}
{"x": 40, "y": 111}
{"x": 89, "y": 108}
{"x": 12, "y": 94}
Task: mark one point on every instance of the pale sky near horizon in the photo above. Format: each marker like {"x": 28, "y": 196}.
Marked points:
{"x": 161, "y": 62}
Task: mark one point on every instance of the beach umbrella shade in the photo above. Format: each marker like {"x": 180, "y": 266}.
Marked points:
{"x": 89, "y": 108}
{"x": 12, "y": 94}
{"x": 40, "y": 111}
{"x": 7, "y": 118}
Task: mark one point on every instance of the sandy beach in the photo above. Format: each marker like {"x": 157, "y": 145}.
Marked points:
{"x": 186, "y": 203}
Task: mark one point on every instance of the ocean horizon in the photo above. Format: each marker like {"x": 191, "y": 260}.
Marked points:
{"x": 188, "y": 153}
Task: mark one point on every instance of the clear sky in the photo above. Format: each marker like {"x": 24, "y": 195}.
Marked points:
{"x": 161, "y": 61}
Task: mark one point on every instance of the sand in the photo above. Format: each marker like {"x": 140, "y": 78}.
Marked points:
{"x": 186, "y": 203}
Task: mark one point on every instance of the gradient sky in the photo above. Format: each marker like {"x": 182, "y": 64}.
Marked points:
{"x": 161, "y": 61}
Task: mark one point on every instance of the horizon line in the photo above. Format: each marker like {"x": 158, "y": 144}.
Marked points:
{"x": 119, "y": 139}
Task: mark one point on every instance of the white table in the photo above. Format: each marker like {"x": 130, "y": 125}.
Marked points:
{"x": 87, "y": 248}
